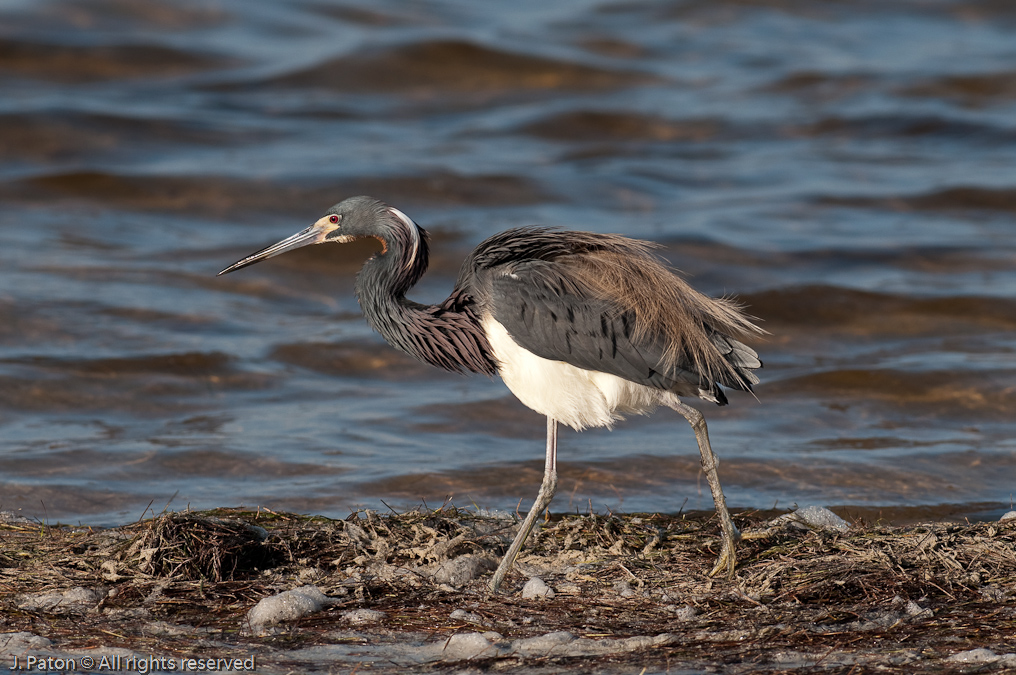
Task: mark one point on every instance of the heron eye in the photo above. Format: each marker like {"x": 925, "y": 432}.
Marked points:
{"x": 333, "y": 219}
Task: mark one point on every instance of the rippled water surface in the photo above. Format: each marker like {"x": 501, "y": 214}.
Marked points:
{"x": 847, "y": 169}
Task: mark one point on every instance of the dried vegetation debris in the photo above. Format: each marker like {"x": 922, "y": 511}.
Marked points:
{"x": 182, "y": 580}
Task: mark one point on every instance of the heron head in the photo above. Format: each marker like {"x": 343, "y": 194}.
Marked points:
{"x": 351, "y": 219}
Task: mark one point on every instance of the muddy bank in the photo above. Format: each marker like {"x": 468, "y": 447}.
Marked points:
{"x": 407, "y": 592}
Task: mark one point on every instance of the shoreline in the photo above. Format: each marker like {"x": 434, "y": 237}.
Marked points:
{"x": 407, "y": 592}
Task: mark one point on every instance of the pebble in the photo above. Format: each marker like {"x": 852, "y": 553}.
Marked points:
{"x": 461, "y": 570}
{"x": 462, "y": 646}
{"x": 542, "y": 645}
{"x": 623, "y": 588}
{"x": 22, "y": 643}
{"x": 536, "y": 588}
{"x": 59, "y": 602}
{"x": 362, "y": 617}
{"x": 686, "y": 613}
{"x": 286, "y": 606}
{"x": 468, "y": 617}
{"x": 979, "y": 655}
{"x": 913, "y": 609}
{"x": 564, "y": 643}
{"x": 813, "y": 518}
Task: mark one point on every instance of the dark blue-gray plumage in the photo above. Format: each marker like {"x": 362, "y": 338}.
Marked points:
{"x": 582, "y": 327}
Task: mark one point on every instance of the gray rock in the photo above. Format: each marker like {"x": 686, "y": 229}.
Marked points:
{"x": 979, "y": 655}
{"x": 565, "y": 644}
{"x": 536, "y": 588}
{"x": 286, "y": 607}
{"x": 461, "y": 570}
{"x": 993, "y": 593}
{"x": 542, "y": 645}
{"x": 913, "y": 609}
{"x": 469, "y": 617}
{"x": 172, "y": 629}
{"x": 623, "y": 588}
{"x": 795, "y": 660}
{"x": 590, "y": 647}
{"x": 16, "y": 644}
{"x": 60, "y": 602}
{"x": 362, "y": 617}
{"x": 685, "y": 613}
{"x": 462, "y": 646}
{"x": 813, "y": 518}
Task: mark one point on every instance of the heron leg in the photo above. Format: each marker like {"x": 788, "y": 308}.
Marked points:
{"x": 728, "y": 555}
{"x": 547, "y": 489}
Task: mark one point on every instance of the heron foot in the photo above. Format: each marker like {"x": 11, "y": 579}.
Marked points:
{"x": 727, "y": 560}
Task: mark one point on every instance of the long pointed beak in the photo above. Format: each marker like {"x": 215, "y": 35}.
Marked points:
{"x": 315, "y": 234}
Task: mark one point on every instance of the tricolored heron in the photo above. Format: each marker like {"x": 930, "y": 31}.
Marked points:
{"x": 582, "y": 327}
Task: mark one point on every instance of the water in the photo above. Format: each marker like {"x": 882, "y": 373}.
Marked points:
{"x": 846, "y": 169}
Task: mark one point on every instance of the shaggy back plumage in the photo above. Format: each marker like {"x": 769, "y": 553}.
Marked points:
{"x": 664, "y": 306}
{"x": 699, "y": 333}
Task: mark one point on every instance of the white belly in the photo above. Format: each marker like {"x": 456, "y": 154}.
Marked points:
{"x": 573, "y": 396}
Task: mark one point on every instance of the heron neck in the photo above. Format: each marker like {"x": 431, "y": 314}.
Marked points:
{"x": 448, "y": 335}
{"x": 381, "y": 292}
